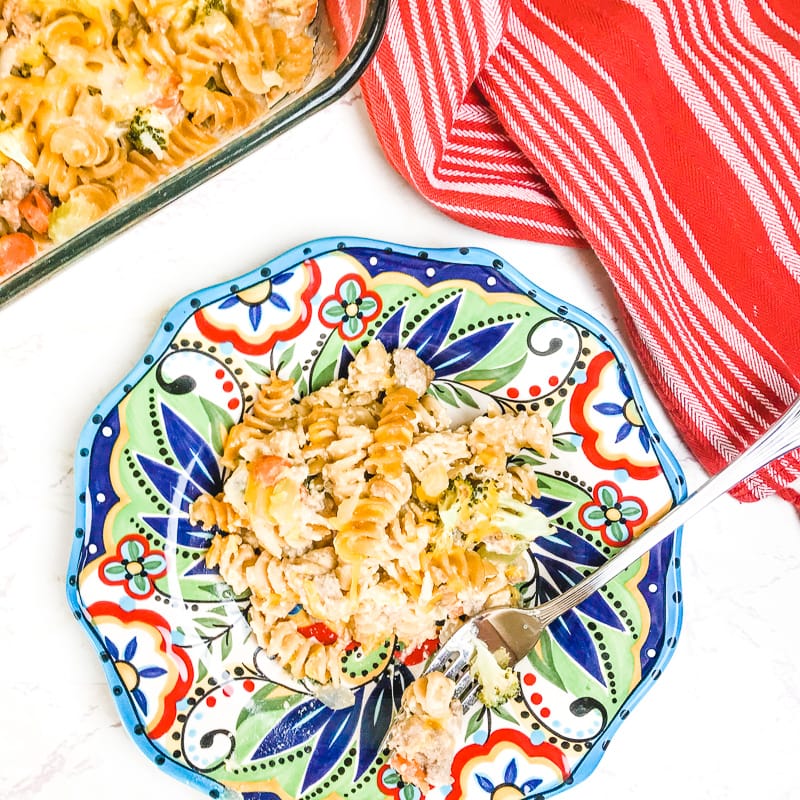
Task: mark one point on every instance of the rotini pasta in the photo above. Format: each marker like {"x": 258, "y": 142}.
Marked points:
{"x": 424, "y": 734}
{"x": 363, "y": 518}
{"x": 100, "y": 100}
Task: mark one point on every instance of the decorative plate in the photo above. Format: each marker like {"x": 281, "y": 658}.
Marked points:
{"x": 192, "y": 686}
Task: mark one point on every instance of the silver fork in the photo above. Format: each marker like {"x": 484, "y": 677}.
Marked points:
{"x": 517, "y": 630}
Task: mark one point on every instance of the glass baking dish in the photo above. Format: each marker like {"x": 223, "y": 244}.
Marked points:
{"x": 347, "y": 33}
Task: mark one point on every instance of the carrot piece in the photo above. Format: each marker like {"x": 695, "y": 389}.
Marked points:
{"x": 16, "y": 250}
{"x": 35, "y": 208}
{"x": 267, "y": 469}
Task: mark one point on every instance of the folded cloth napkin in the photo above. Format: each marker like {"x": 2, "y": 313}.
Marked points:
{"x": 662, "y": 133}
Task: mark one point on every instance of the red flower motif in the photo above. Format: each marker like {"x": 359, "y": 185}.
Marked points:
{"x": 145, "y": 636}
{"x": 255, "y": 319}
{"x": 135, "y": 566}
{"x": 612, "y": 513}
{"x": 549, "y": 761}
{"x": 350, "y": 308}
{"x": 608, "y": 441}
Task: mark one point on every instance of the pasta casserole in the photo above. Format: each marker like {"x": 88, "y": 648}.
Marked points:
{"x": 358, "y": 517}
{"x": 99, "y": 100}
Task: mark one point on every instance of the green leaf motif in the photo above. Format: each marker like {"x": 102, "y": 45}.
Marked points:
{"x": 332, "y": 313}
{"x": 464, "y": 397}
{"x": 544, "y": 664}
{"x": 391, "y": 778}
{"x": 220, "y": 421}
{"x": 350, "y": 291}
{"x": 607, "y": 496}
{"x": 555, "y": 412}
{"x": 227, "y": 643}
{"x": 286, "y": 357}
{"x": 564, "y": 444}
{"x": 475, "y": 721}
{"x": 444, "y": 394}
{"x": 265, "y": 701}
{"x": 504, "y": 713}
{"x": 368, "y": 305}
{"x": 259, "y": 369}
{"x": 326, "y": 376}
{"x": 409, "y": 792}
{"x": 497, "y": 377}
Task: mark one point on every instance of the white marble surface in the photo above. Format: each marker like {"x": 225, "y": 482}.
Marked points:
{"x": 722, "y": 722}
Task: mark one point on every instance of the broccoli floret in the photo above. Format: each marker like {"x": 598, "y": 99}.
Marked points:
{"x": 207, "y": 6}
{"x": 520, "y": 520}
{"x": 498, "y": 681}
{"x": 148, "y": 132}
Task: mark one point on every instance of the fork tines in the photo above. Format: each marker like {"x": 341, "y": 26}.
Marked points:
{"x": 453, "y": 660}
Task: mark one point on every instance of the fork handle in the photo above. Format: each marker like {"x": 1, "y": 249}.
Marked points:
{"x": 780, "y": 438}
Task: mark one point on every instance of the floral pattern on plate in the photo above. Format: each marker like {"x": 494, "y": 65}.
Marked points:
{"x": 192, "y": 686}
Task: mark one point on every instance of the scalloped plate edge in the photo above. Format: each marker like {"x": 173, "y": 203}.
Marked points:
{"x": 189, "y": 304}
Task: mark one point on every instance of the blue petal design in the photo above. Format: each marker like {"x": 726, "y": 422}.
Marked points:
{"x": 563, "y": 576}
{"x": 297, "y": 726}
{"x": 334, "y": 739}
{"x": 623, "y": 431}
{"x": 510, "y": 775}
{"x": 484, "y": 783}
{"x": 254, "y": 313}
{"x": 430, "y": 336}
{"x": 570, "y": 633}
{"x": 596, "y": 607}
{"x": 192, "y": 451}
{"x": 466, "y": 352}
{"x": 624, "y": 385}
{"x": 278, "y": 302}
{"x": 568, "y": 546}
{"x": 185, "y": 534}
{"x": 112, "y": 648}
{"x": 130, "y": 649}
{"x": 346, "y": 358}
{"x": 550, "y": 506}
{"x": 229, "y": 302}
{"x": 141, "y": 700}
{"x": 608, "y": 409}
{"x": 644, "y": 439}
{"x": 172, "y": 485}
{"x": 389, "y": 333}
{"x": 378, "y": 710}
{"x": 283, "y": 277}
{"x": 530, "y": 785}
{"x": 152, "y": 672}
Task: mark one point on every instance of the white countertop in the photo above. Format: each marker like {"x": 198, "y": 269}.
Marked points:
{"x": 722, "y": 722}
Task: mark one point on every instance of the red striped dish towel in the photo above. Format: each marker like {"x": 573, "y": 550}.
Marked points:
{"x": 662, "y": 133}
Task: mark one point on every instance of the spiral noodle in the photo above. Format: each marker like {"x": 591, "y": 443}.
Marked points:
{"x": 273, "y": 405}
{"x": 215, "y": 512}
{"x": 302, "y": 655}
{"x": 363, "y": 517}
{"x": 233, "y": 556}
{"x": 366, "y": 533}
{"x": 395, "y": 432}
